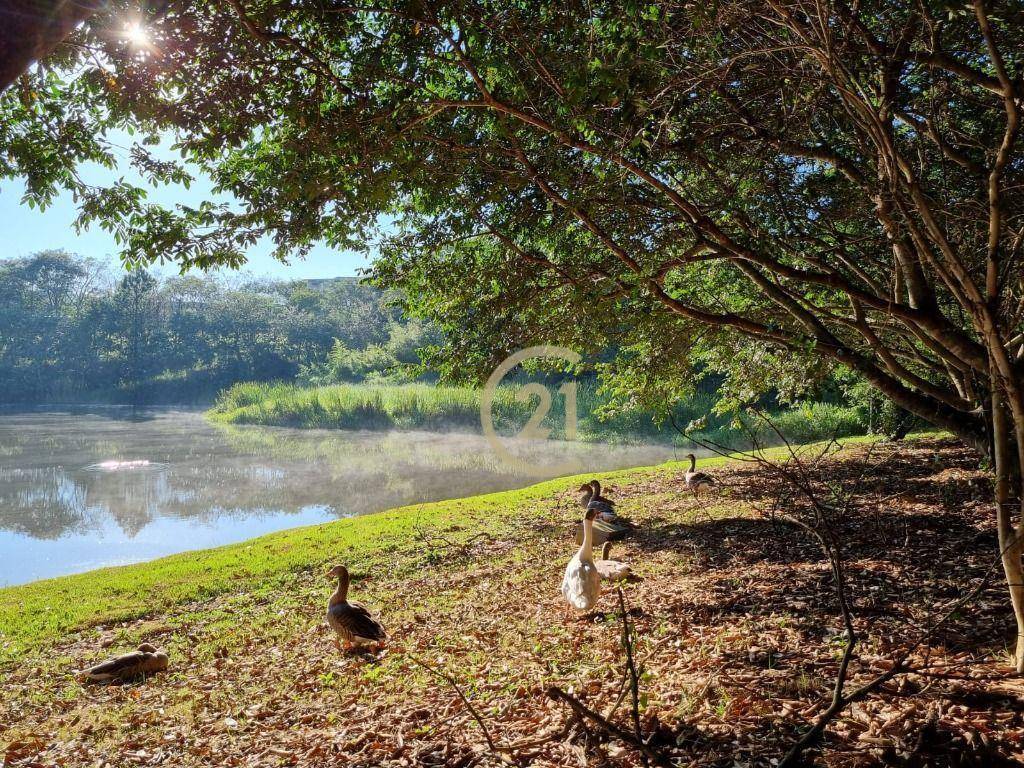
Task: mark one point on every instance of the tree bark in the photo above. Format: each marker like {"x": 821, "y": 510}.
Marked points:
{"x": 1007, "y": 496}
{"x": 30, "y": 29}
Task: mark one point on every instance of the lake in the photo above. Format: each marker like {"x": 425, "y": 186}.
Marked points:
{"x": 83, "y": 488}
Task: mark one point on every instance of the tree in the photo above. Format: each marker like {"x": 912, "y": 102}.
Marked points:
{"x": 43, "y": 299}
{"x": 134, "y": 329}
{"x": 758, "y": 188}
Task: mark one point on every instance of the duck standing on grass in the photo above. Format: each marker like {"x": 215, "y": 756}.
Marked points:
{"x": 697, "y": 481}
{"x": 352, "y": 621}
{"x": 581, "y": 585}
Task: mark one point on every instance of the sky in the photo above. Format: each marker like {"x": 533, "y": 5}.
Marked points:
{"x": 26, "y": 230}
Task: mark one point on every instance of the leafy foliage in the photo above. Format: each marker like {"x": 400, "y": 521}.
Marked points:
{"x": 73, "y": 331}
{"x": 396, "y": 359}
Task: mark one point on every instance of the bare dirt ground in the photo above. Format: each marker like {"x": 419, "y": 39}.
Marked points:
{"x": 738, "y": 642}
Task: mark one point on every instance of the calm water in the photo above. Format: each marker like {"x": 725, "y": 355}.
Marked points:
{"x": 89, "y": 488}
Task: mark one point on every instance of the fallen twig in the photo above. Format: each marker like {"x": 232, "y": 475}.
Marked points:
{"x": 439, "y": 542}
{"x": 581, "y": 709}
{"x": 840, "y": 700}
{"x": 472, "y": 710}
{"x": 837, "y": 504}
{"x": 515, "y": 747}
{"x": 899, "y": 667}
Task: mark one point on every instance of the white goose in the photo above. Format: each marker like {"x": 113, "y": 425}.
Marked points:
{"x": 581, "y": 585}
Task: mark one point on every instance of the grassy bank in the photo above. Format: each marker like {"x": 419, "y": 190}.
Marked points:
{"x": 423, "y": 406}
{"x": 40, "y": 612}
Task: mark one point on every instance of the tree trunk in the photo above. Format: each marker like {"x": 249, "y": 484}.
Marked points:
{"x": 33, "y": 28}
{"x": 1007, "y": 498}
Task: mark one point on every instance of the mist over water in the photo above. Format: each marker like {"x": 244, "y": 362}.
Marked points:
{"x": 85, "y": 488}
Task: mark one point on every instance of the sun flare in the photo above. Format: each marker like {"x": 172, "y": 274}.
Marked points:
{"x": 136, "y": 34}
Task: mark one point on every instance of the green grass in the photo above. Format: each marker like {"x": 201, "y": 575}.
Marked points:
{"x": 33, "y": 613}
{"x": 423, "y": 406}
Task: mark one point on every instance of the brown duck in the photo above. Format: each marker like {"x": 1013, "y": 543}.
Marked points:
{"x": 596, "y": 485}
{"x": 588, "y": 500}
{"x": 355, "y": 626}
{"x": 147, "y": 660}
{"x": 611, "y": 570}
{"x": 697, "y": 481}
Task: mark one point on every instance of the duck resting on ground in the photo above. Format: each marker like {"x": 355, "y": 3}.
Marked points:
{"x": 697, "y": 481}
{"x": 147, "y": 660}
{"x": 611, "y": 570}
{"x": 352, "y": 621}
{"x": 605, "y": 511}
{"x": 581, "y": 585}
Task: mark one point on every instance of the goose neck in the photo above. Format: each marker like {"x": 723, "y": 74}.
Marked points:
{"x": 341, "y": 593}
{"x": 587, "y": 547}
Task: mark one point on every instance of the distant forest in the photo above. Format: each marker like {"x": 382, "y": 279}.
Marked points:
{"x": 72, "y": 329}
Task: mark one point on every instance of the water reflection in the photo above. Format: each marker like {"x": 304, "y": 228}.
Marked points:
{"x": 84, "y": 489}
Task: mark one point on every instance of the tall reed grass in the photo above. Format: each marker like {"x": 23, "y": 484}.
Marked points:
{"x": 364, "y": 406}
{"x": 438, "y": 408}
